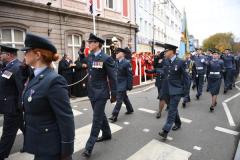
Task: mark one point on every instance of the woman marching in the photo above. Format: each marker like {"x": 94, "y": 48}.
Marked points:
{"x": 49, "y": 121}
{"x": 215, "y": 68}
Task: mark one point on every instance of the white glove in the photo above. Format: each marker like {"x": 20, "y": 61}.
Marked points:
{"x": 202, "y": 60}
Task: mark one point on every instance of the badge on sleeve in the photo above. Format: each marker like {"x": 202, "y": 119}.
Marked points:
{"x": 7, "y": 74}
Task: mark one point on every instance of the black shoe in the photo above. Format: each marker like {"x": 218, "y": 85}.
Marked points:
{"x": 113, "y": 119}
{"x": 211, "y": 109}
{"x": 207, "y": 90}
{"x": 184, "y": 105}
{"x": 105, "y": 138}
{"x": 86, "y": 154}
{"x": 225, "y": 91}
{"x": 22, "y": 150}
{"x": 158, "y": 115}
{"x": 129, "y": 112}
{"x": 193, "y": 87}
{"x": 197, "y": 96}
{"x": 230, "y": 87}
{"x": 175, "y": 128}
{"x": 163, "y": 135}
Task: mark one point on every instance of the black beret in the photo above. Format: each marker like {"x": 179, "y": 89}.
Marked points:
{"x": 94, "y": 38}
{"x": 120, "y": 50}
{"x": 4, "y": 48}
{"x": 33, "y": 41}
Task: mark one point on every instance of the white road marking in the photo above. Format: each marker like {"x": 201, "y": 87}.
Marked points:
{"x": 231, "y": 98}
{"x": 85, "y": 109}
{"x": 147, "y": 110}
{"x": 229, "y": 116}
{"x": 146, "y": 130}
{"x": 126, "y": 123}
{"x": 156, "y": 150}
{"x": 169, "y": 138}
{"x": 185, "y": 120}
{"x": 197, "y": 148}
{"x": 82, "y": 135}
{"x": 74, "y": 106}
{"x": 225, "y": 130}
{"x": 237, "y": 87}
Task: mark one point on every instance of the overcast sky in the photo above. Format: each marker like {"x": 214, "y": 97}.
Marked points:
{"x": 207, "y": 17}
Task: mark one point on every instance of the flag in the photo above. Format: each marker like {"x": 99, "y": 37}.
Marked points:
{"x": 184, "y": 43}
{"x": 91, "y": 6}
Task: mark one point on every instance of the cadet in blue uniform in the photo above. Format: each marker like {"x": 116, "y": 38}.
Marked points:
{"x": 177, "y": 80}
{"x": 102, "y": 75}
{"x": 215, "y": 68}
{"x": 228, "y": 60}
{"x": 235, "y": 69}
{"x": 161, "y": 80}
{"x": 49, "y": 121}
{"x": 200, "y": 63}
{"x": 209, "y": 57}
{"x": 124, "y": 83}
{"x": 189, "y": 64}
{"x": 11, "y": 87}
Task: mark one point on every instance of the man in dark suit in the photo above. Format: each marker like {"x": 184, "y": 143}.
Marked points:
{"x": 124, "y": 83}
{"x": 177, "y": 81}
{"x": 128, "y": 52}
{"x": 11, "y": 87}
{"x": 65, "y": 68}
{"x": 102, "y": 77}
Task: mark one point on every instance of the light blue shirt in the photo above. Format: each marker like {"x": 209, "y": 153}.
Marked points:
{"x": 97, "y": 53}
{"x": 37, "y": 71}
{"x": 173, "y": 58}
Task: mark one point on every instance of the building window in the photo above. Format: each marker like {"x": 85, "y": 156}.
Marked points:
{"x": 12, "y": 37}
{"x": 141, "y": 2}
{"x": 110, "y": 4}
{"x": 108, "y": 43}
{"x": 73, "y": 45}
{"x": 141, "y": 25}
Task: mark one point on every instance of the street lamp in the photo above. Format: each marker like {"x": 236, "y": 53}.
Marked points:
{"x": 154, "y": 6}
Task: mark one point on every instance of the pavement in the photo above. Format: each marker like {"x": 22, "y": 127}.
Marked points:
{"x": 203, "y": 136}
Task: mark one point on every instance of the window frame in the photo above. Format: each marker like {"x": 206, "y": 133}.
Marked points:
{"x": 73, "y": 46}
{"x": 13, "y": 43}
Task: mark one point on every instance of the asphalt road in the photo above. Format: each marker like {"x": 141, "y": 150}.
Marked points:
{"x": 203, "y": 136}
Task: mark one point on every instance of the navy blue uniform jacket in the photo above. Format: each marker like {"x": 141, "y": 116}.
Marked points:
{"x": 103, "y": 78}
{"x": 49, "y": 121}
{"x": 124, "y": 75}
{"x": 11, "y": 87}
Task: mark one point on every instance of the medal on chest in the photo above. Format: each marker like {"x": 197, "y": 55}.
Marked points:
{"x": 30, "y": 96}
{"x": 97, "y": 64}
{"x": 175, "y": 68}
{"x": 7, "y": 74}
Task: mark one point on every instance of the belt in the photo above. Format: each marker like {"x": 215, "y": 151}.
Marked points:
{"x": 215, "y": 73}
{"x": 199, "y": 68}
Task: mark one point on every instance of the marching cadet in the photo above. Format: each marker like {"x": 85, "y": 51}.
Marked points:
{"x": 215, "y": 68}
{"x": 124, "y": 83}
{"x": 177, "y": 80}
{"x": 209, "y": 57}
{"x": 160, "y": 64}
{"x": 11, "y": 87}
{"x": 189, "y": 65}
{"x": 228, "y": 60}
{"x": 49, "y": 121}
{"x": 102, "y": 77}
{"x": 200, "y": 64}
